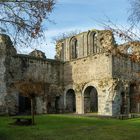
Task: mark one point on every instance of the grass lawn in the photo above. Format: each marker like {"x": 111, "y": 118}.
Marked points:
{"x": 64, "y": 127}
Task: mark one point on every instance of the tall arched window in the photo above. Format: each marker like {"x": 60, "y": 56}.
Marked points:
{"x": 92, "y": 43}
{"x": 74, "y": 48}
{"x": 95, "y": 47}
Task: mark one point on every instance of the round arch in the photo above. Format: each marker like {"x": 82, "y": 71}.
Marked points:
{"x": 73, "y": 48}
{"x": 91, "y": 48}
{"x": 90, "y": 99}
{"x": 133, "y": 87}
{"x": 122, "y": 105}
{"x": 70, "y": 101}
{"x": 90, "y": 84}
{"x": 120, "y": 97}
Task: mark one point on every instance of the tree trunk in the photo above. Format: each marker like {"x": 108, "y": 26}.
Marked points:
{"x": 32, "y": 111}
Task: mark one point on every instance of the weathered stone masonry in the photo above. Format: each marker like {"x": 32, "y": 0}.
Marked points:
{"x": 91, "y": 73}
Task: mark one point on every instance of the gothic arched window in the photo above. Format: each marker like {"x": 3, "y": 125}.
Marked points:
{"x": 92, "y": 45}
{"x": 74, "y": 48}
{"x": 95, "y": 47}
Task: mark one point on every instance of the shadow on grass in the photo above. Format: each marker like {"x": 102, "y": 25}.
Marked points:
{"x": 3, "y": 136}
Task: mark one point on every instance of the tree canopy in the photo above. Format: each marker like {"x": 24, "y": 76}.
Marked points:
{"x": 24, "y": 20}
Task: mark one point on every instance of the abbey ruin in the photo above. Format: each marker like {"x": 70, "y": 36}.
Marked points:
{"x": 90, "y": 73}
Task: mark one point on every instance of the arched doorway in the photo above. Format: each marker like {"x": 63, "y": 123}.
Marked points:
{"x": 70, "y": 101}
{"x": 57, "y": 103}
{"x": 24, "y": 105}
{"x": 123, "y": 102}
{"x": 132, "y": 94}
{"x": 90, "y": 100}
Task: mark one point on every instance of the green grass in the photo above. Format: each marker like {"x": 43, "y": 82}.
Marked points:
{"x": 64, "y": 127}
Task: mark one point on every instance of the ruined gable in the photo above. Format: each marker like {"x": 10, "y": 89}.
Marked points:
{"x": 84, "y": 44}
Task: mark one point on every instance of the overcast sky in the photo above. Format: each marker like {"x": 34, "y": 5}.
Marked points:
{"x": 82, "y": 15}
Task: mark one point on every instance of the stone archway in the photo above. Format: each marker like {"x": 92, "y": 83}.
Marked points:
{"x": 123, "y": 103}
{"x": 134, "y": 98}
{"x": 90, "y": 100}
{"x": 70, "y": 101}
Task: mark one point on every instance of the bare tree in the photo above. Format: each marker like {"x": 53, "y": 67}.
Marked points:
{"x": 32, "y": 85}
{"x": 24, "y": 20}
{"x": 125, "y": 33}
{"x": 30, "y": 89}
{"x": 131, "y": 32}
{"x": 134, "y": 16}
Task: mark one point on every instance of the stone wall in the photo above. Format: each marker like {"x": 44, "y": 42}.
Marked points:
{"x": 89, "y": 61}
{"x": 126, "y": 72}
{"x": 86, "y": 69}
{"x": 17, "y": 67}
{"x": 44, "y": 70}
{"x": 102, "y": 64}
{"x": 95, "y": 69}
{"x": 125, "y": 68}
{"x": 7, "y": 102}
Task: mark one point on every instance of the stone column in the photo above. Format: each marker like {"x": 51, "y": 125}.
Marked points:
{"x": 79, "y": 103}
{"x": 64, "y": 101}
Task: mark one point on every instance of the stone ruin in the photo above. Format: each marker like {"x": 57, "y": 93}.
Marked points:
{"x": 90, "y": 73}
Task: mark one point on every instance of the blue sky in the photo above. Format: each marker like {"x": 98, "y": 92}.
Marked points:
{"x": 82, "y": 15}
